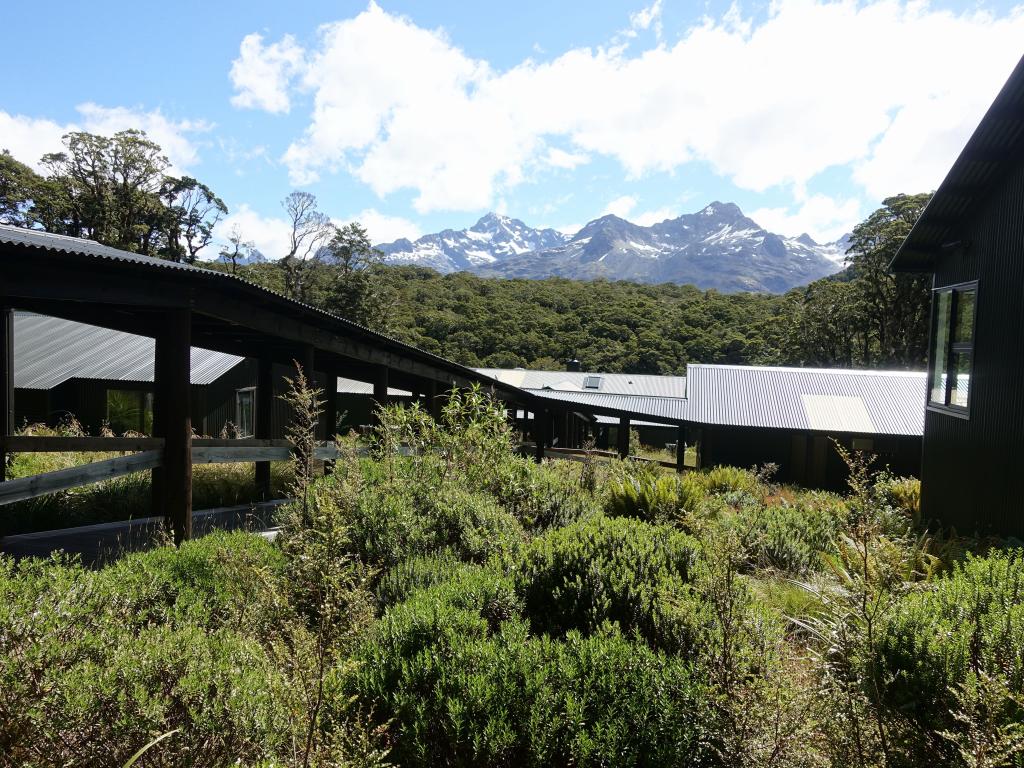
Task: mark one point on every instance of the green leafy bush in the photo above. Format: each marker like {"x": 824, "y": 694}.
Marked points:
{"x": 415, "y": 573}
{"x": 654, "y": 496}
{"x": 94, "y": 664}
{"x": 603, "y": 570}
{"x": 455, "y": 683}
{"x": 730, "y": 479}
{"x": 970, "y": 622}
{"x": 790, "y": 537}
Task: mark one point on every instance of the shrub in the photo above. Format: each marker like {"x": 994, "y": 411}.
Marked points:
{"x": 609, "y": 570}
{"x": 654, "y": 496}
{"x": 474, "y": 692}
{"x": 94, "y": 664}
{"x": 789, "y": 537}
{"x": 415, "y": 573}
{"x": 902, "y": 493}
{"x": 970, "y": 622}
{"x": 730, "y": 479}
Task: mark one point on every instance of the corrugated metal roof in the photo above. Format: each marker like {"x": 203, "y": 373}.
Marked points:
{"x": 48, "y": 351}
{"x": 983, "y": 161}
{"x": 572, "y": 381}
{"x": 353, "y": 387}
{"x": 670, "y": 409}
{"x": 815, "y": 399}
{"x": 81, "y": 247}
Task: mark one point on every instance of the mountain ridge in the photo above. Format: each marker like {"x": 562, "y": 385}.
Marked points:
{"x": 717, "y": 247}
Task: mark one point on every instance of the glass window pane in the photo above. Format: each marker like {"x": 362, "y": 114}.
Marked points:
{"x": 963, "y": 330}
{"x": 245, "y": 413}
{"x": 961, "y": 380}
{"x": 941, "y": 342}
{"x": 129, "y": 411}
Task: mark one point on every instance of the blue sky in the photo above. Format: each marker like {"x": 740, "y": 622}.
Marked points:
{"x": 412, "y": 117}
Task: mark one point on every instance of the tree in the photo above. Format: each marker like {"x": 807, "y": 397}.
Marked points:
{"x": 18, "y": 186}
{"x": 309, "y": 231}
{"x": 895, "y": 306}
{"x": 357, "y": 292}
{"x": 107, "y": 189}
{"x": 191, "y": 213}
{"x": 236, "y": 249}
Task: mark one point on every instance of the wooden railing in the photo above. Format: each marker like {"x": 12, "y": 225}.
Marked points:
{"x": 580, "y": 454}
{"x": 143, "y": 453}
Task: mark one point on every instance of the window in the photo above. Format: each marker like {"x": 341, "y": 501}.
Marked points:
{"x": 130, "y": 410}
{"x": 591, "y": 382}
{"x": 952, "y": 353}
{"x": 245, "y": 404}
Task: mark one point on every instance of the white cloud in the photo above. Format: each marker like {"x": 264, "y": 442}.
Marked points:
{"x": 172, "y": 136}
{"x": 645, "y": 17}
{"x": 268, "y": 233}
{"x": 658, "y": 215}
{"x": 261, "y": 74}
{"x": 620, "y": 206}
{"x": 559, "y": 158}
{"x": 383, "y": 228}
{"x": 824, "y": 218}
{"x": 28, "y": 138}
{"x": 888, "y": 88}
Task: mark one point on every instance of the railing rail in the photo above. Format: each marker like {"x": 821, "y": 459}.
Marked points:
{"x": 143, "y": 453}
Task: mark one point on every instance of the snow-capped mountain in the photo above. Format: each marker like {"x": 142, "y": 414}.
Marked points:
{"x": 717, "y": 247}
{"x": 492, "y": 239}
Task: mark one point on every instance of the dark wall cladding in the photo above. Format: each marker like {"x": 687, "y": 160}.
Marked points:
{"x": 971, "y": 467}
{"x": 807, "y": 459}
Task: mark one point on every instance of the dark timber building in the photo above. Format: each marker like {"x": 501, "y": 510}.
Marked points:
{"x": 971, "y": 239}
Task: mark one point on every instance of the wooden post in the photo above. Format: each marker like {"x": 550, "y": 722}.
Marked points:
{"x": 380, "y": 390}
{"x": 680, "y": 448}
{"x": 264, "y": 407}
{"x": 623, "y": 437}
{"x": 541, "y": 422}
{"x": 172, "y": 420}
{"x": 6, "y": 383}
{"x": 330, "y": 414}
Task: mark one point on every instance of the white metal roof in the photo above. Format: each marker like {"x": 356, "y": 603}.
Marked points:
{"x": 814, "y": 399}
{"x": 573, "y": 381}
{"x": 48, "y": 351}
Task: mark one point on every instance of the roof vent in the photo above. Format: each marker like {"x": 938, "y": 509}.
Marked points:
{"x": 591, "y": 382}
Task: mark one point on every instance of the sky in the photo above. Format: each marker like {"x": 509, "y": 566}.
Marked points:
{"x": 411, "y": 117}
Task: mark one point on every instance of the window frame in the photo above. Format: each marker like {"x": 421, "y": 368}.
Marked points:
{"x": 953, "y": 348}
{"x": 238, "y": 410}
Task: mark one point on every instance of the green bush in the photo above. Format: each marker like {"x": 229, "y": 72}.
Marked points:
{"x": 462, "y": 688}
{"x": 730, "y": 480}
{"x": 415, "y": 573}
{"x": 94, "y": 664}
{"x": 602, "y": 570}
{"x": 654, "y": 496}
{"x": 970, "y": 621}
{"x": 789, "y": 537}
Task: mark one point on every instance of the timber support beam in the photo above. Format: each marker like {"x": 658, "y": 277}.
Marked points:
{"x": 623, "y": 436}
{"x": 172, "y": 420}
{"x": 6, "y": 382}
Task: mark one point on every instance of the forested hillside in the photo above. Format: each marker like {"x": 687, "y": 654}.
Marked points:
{"x": 862, "y": 317}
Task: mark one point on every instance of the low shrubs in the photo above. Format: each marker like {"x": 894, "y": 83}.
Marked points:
{"x": 95, "y": 664}
{"x": 968, "y": 624}
{"x": 609, "y": 570}
{"x": 465, "y": 683}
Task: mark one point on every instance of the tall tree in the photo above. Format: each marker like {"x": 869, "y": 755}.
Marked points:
{"x": 357, "y": 291}
{"x": 309, "y": 231}
{"x": 236, "y": 249}
{"x": 191, "y": 212}
{"x": 895, "y": 306}
{"x": 107, "y": 189}
{"x": 19, "y": 184}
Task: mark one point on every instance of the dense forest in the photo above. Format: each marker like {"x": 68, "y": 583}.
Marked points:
{"x": 117, "y": 191}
